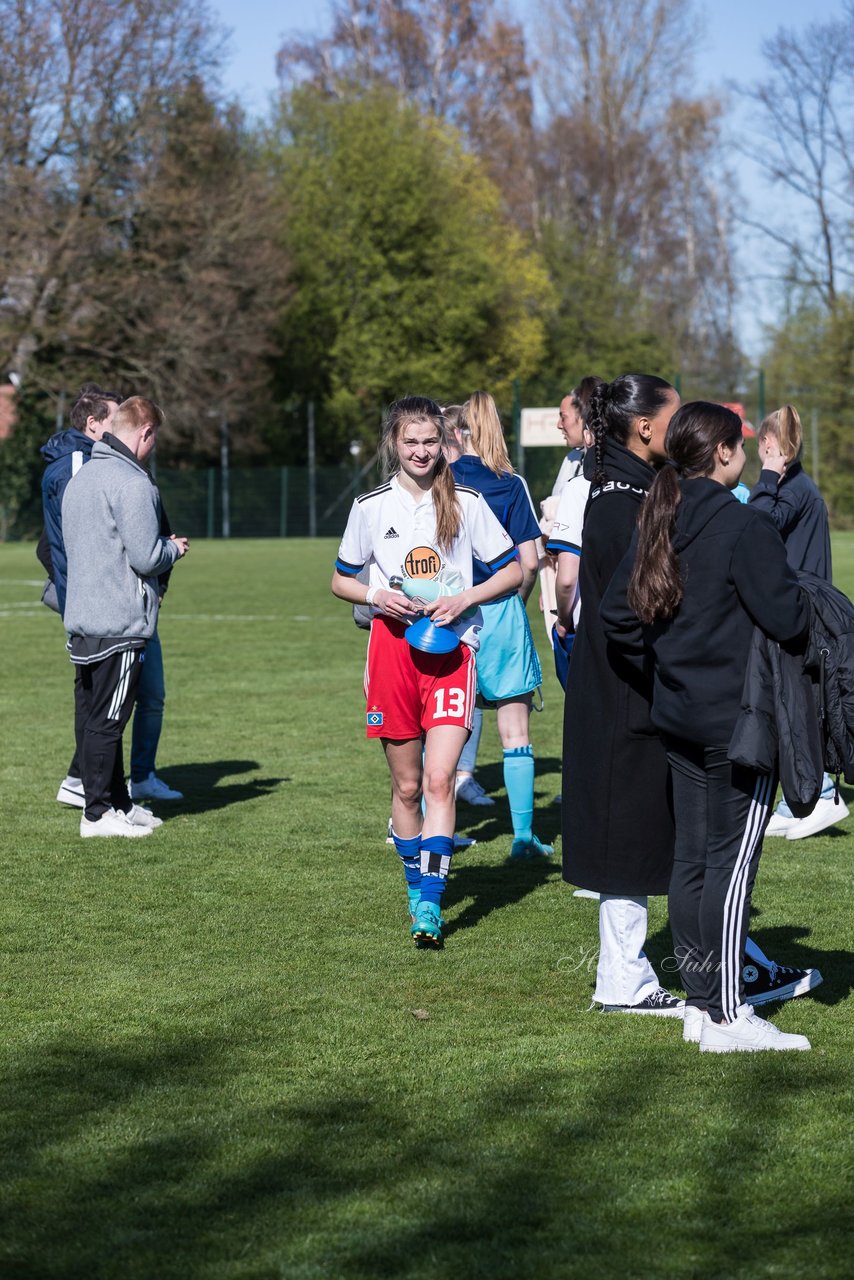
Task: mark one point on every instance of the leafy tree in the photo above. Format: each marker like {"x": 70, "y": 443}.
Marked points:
{"x": 406, "y": 273}
{"x": 810, "y": 364}
{"x": 21, "y": 467}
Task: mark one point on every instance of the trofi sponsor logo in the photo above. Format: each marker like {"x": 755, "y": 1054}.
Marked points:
{"x": 422, "y": 562}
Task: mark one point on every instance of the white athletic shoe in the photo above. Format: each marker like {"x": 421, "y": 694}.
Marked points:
{"x": 470, "y": 791}
{"x": 112, "y": 823}
{"x": 586, "y": 893}
{"x": 153, "y": 788}
{"x": 142, "y": 817}
{"x": 826, "y": 814}
{"x": 748, "y": 1034}
{"x": 71, "y": 792}
{"x": 693, "y": 1021}
{"x": 780, "y": 825}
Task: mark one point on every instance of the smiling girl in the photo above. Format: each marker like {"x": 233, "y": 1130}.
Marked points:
{"x": 420, "y": 525}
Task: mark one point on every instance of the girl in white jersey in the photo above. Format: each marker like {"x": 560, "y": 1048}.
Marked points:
{"x": 420, "y": 525}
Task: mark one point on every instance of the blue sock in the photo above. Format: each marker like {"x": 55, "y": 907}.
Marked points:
{"x": 519, "y": 781}
{"x": 410, "y": 855}
{"x": 435, "y": 864}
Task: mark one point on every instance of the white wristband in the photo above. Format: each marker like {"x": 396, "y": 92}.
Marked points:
{"x": 370, "y": 595}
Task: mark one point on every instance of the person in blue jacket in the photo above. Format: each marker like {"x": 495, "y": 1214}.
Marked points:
{"x": 508, "y": 668}
{"x": 65, "y": 453}
{"x": 790, "y": 497}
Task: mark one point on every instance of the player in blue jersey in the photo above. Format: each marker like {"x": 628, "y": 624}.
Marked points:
{"x": 421, "y": 528}
{"x": 508, "y": 666}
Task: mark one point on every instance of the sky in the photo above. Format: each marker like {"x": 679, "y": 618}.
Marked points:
{"x": 731, "y": 50}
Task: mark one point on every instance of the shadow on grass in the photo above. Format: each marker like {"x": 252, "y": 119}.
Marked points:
{"x": 147, "y": 1160}
{"x": 202, "y": 788}
{"x": 492, "y": 888}
{"x": 791, "y": 945}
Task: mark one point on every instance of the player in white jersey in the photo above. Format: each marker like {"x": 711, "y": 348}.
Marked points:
{"x": 421, "y": 526}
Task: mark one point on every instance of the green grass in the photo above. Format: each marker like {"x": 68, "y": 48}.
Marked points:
{"x": 210, "y": 1064}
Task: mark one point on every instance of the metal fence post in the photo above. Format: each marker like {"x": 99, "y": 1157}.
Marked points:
{"x": 283, "y": 504}
{"x": 211, "y": 498}
{"x": 312, "y": 474}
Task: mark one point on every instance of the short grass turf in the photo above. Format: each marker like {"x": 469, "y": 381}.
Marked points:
{"x": 223, "y": 1058}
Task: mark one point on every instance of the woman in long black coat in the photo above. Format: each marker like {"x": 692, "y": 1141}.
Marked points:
{"x": 617, "y": 833}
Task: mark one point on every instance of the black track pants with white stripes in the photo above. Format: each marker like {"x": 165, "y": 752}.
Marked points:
{"x": 104, "y": 698}
{"x": 721, "y": 813}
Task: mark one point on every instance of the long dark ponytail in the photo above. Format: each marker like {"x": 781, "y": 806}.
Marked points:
{"x": 614, "y": 406}
{"x": 692, "y": 439}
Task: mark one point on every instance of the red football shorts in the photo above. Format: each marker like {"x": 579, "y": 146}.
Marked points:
{"x": 409, "y": 692}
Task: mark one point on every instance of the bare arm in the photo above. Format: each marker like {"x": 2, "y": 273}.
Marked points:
{"x": 529, "y": 559}
{"x": 393, "y": 603}
{"x": 566, "y": 587}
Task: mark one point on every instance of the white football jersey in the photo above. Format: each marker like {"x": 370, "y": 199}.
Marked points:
{"x": 393, "y": 534}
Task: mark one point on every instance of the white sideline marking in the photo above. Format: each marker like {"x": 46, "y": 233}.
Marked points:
{"x": 23, "y": 582}
{"x": 35, "y": 613}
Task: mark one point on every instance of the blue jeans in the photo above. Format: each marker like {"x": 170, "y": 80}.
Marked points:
{"x": 148, "y": 716}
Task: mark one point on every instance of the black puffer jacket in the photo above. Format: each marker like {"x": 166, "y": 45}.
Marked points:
{"x": 801, "y": 709}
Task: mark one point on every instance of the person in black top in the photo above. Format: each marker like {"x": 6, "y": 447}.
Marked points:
{"x": 701, "y": 573}
{"x": 616, "y": 818}
{"x": 793, "y": 502}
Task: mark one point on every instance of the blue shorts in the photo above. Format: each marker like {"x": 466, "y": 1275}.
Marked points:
{"x": 507, "y": 662}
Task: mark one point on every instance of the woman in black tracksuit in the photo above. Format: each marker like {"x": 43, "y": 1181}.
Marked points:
{"x": 702, "y": 572}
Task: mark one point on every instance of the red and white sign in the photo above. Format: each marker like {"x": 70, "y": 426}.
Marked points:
{"x": 539, "y": 429}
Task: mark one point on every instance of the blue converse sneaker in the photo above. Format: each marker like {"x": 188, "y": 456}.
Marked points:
{"x": 532, "y": 848}
{"x": 427, "y": 925}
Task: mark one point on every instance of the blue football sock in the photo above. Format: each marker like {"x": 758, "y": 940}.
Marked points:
{"x": 410, "y": 855}
{"x": 435, "y": 864}
{"x": 519, "y": 781}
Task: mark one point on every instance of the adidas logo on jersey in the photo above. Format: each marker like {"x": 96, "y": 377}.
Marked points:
{"x": 392, "y": 533}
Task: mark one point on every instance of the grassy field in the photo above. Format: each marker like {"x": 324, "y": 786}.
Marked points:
{"x": 212, "y": 1067}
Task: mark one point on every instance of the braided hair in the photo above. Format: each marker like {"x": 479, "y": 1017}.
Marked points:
{"x": 614, "y": 406}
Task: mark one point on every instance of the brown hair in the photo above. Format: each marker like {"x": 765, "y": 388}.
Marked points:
{"x": 785, "y": 424}
{"x": 135, "y": 413}
{"x": 691, "y": 442}
{"x": 422, "y": 409}
{"x": 92, "y": 402}
{"x": 480, "y": 419}
{"x": 580, "y": 395}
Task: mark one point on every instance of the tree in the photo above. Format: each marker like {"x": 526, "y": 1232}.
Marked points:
{"x": 135, "y": 240}
{"x": 810, "y": 363}
{"x": 631, "y": 163}
{"x": 406, "y": 273}
{"x": 199, "y": 279}
{"x": 802, "y": 139}
{"x": 460, "y": 61}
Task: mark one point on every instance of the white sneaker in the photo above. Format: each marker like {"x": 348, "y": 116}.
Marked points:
{"x": 112, "y": 823}
{"x": 693, "y": 1021}
{"x": 153, "y": 788}
{"x": 586, "y": 893}
{"x": 141, "y": 817}
{"x": 826, "y": 814}
{"x": 748, "y": 1034}
{"x": 780, "y": 824}
{"x": 71, "y": 792}
{"x": 470, "y": 791}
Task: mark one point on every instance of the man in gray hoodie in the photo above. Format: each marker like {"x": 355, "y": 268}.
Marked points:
{"x": 115, "y": 552}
